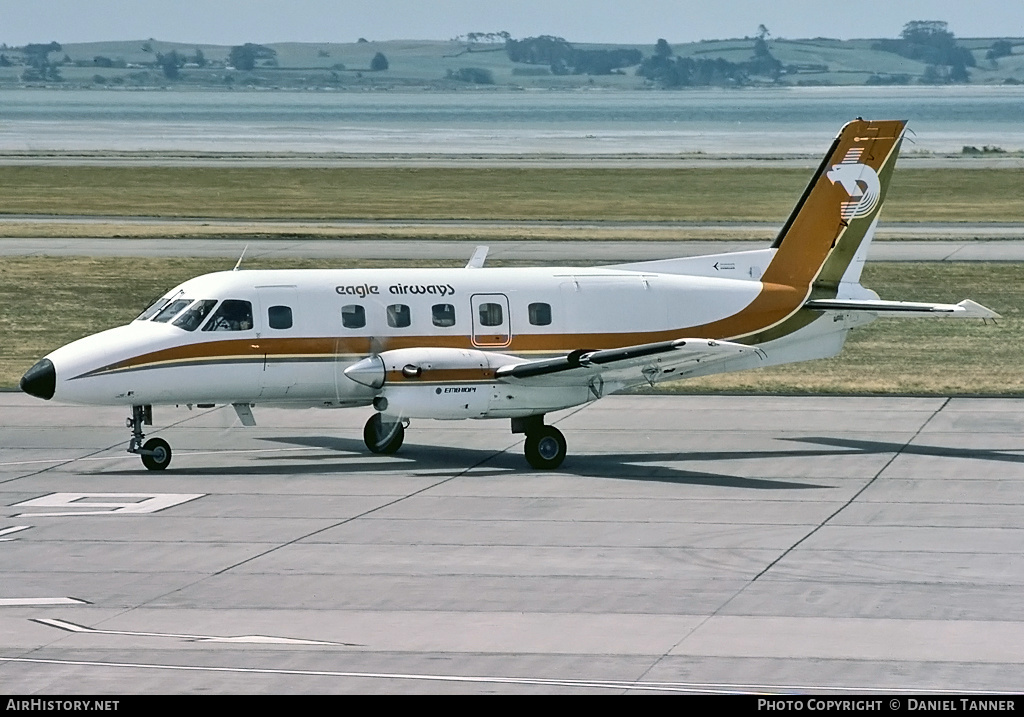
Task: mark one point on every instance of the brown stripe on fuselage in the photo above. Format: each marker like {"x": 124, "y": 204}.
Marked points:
{"x": 446, "y": 375}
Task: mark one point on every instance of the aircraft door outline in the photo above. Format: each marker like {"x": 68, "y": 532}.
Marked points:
{"x": 492, "y": 325}
{"x": 278, "y": 374}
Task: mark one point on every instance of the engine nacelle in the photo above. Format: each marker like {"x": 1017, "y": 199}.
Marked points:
{"x": 431, "y": 382}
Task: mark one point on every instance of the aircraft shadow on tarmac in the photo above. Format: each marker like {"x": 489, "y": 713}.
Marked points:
{"x": 645, "y": 466}
{"x": 641, "y": 466}
{"x": 876, "y": 447}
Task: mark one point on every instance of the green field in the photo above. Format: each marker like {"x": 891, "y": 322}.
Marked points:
{"x": 514, "y": 193}
{"x": 47, "y": 302}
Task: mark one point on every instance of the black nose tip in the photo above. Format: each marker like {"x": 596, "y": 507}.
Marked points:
{"x": 40, "y": 380}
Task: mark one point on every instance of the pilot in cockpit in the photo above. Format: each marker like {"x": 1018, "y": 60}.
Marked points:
{"x": 233, "y": 315}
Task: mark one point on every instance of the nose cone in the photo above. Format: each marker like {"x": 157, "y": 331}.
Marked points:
{"x": 40, "y": 380}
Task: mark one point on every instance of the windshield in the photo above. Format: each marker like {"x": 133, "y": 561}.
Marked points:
{"x": 153, "y": 308}
{"x": 159, "y": 305}
{"x": 193, "y": 317}
{"x": 171, "y": 310}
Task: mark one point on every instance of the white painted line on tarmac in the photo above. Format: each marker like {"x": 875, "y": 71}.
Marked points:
{"x": 111, "y": 503}
{"x": 243, "y": 639}
{"x": 679, "y": 687}
{"x": 11, "y": 531}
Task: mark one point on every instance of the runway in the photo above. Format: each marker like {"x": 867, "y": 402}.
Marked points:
{"x": 688, "y": 544}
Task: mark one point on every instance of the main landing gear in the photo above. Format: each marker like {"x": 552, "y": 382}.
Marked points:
{"x": 383, "y": 437}
{"x": 545, "y": 445}
{"x": 155, "y": 453}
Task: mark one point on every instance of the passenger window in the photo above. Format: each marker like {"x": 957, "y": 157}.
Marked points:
{"x": 353, "y": 316}
{"x": 491, "y": 315}
{"x": 196, "y": 314}
{"x": 399, "y": 316}
{"x": 540, "y": 314}
{"x": 279, "y": 317}
{"x": 171, "y": 310}
{"x": 444, "y": 314}
{"x": 233, "y": 315}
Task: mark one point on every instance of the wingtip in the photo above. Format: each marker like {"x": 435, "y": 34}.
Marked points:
{"x": 975, "y": 310}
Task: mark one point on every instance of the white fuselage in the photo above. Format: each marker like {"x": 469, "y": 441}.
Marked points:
{"x": 338, "y": 317}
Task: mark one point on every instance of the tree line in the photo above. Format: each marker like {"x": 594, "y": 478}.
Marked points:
{"x": 926, "y": 41}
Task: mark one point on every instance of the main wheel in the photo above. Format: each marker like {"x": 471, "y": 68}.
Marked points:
{"x": 156, "y": 454}
{"x": 381, "y": 437}
{"x": 545, "y": 448}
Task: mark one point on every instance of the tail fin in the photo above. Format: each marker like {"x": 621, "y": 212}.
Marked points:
{"x": 835, "y": 218}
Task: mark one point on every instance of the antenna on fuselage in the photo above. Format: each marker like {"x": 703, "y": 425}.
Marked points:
{"x": 238, "y": 264}
{"x": 479, "y": 257}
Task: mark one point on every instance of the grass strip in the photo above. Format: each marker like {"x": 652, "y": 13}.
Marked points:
{"x": 483, "y": 193}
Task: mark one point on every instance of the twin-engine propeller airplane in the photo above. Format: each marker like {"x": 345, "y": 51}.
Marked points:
{"x": 499, "y": 342}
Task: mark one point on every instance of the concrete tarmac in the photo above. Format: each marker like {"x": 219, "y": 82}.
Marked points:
{"x": 688, "y": 544}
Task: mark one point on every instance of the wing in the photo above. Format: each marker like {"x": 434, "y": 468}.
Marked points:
{"x": 632, "y": 365}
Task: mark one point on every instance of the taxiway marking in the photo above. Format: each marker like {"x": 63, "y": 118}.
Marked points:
{"x": 114, "y": 503}
{"x": 11, "y": 530}
{"x": 248, "y": 639}
{"x": 29, "y": 602}
{"x": 679, "y": 687}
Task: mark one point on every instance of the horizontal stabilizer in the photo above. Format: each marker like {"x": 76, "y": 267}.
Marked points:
{"x": 966, "y": 309}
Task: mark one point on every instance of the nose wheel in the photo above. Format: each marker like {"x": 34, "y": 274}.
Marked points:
{"x": 155, "y": 453}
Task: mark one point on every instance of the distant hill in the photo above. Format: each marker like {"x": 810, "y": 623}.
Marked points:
{"x": 542, "y": 63}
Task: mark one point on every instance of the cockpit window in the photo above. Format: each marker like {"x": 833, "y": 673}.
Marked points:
{"x": 152, "y": 309}
{"x": 233, "y": 315}
{"x": 171, "y": 310}
{"x": 193, "y": 317}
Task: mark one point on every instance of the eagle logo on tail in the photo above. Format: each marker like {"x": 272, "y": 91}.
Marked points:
{"x": 860, "y": 181}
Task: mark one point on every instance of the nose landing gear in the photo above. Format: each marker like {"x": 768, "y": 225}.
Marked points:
{"x": 155, "y": 453}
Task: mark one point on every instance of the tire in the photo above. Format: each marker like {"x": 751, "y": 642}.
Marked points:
{"x": 156, "y": 454}
{"x": 545, "y": 448}
{"x": 383, "y": 438}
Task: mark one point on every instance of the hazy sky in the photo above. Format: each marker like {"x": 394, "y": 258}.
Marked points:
{"x": 230, "y": 22}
